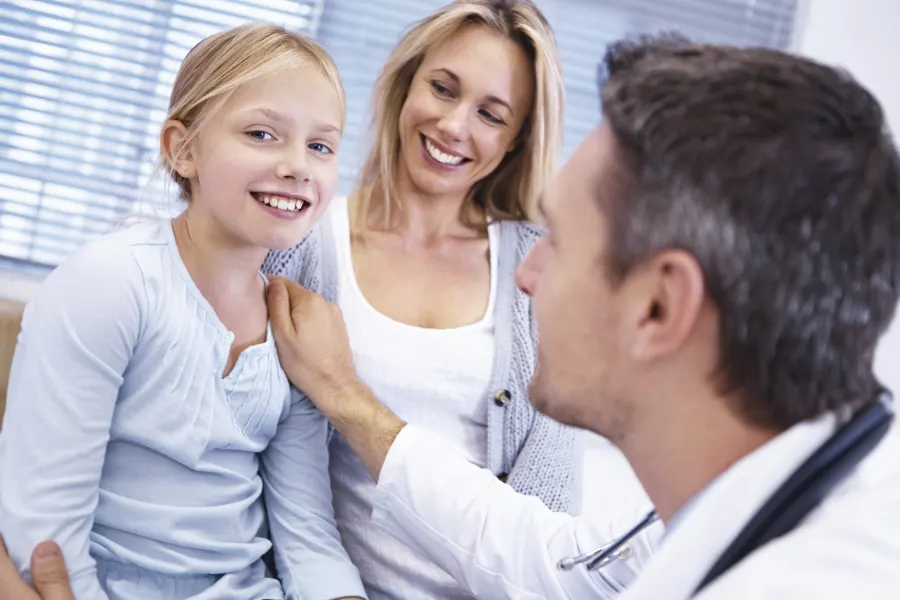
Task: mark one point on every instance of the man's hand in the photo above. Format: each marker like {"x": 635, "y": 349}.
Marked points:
{"x": 315, "y": 353}
{"x": 48, "y": 571}
{"x": 312, "y": 341}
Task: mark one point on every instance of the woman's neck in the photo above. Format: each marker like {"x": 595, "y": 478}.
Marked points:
{"x": 220, "y": 267}
{"x": 420, "y": 216}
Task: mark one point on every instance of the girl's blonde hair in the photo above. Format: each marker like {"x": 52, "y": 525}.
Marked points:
{"x": 225, "y": 61}
{"x": 511, "y": 191}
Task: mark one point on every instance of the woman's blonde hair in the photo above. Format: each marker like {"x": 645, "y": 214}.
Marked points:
{"x": 510, "y": 191}
{"x": 225, "y": 61}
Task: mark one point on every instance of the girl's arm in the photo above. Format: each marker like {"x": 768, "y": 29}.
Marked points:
{"x": 76, "y": 341}
{"x": 311, "y": 561}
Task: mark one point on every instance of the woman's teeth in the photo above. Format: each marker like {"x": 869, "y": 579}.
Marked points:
{"x": 281, "y": 203}
{"x": 441, "y": 157}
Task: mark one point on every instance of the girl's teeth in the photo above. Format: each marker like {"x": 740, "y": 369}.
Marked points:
{"x": 282, "y": 203}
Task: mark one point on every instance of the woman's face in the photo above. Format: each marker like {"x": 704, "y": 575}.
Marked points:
{"x": 464, "y": 111}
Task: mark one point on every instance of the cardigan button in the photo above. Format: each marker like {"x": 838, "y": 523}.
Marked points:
{"x": 502, "y": 398}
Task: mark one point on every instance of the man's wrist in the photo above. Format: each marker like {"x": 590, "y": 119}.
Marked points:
{"x": 365, "y": 423}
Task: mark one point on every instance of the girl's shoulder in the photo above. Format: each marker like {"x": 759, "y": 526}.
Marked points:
{"x": 113, "y": 256}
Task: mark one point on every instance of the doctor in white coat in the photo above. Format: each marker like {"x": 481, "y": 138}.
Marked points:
{"x": 723, "y": 255}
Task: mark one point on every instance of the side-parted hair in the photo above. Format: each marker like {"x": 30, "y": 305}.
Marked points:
{"x": 225, "y": 61}
{"x": 510, "y": 192}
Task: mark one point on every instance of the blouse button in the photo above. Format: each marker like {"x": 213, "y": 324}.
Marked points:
{"x": 502, "y": 398}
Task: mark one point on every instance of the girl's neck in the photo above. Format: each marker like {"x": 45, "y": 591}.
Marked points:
{"x": 220, "y": 267}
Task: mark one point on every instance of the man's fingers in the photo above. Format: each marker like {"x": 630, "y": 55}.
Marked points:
{"x": 298, "y": 294}
{"x": 279, "y": 303}
{"x": 49, "y": 573}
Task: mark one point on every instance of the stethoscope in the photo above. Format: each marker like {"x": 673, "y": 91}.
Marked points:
{"x": 799, "y": 495}
{"x": 617, "y": 550}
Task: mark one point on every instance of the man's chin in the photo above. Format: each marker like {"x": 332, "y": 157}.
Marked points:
{"x": 541, "y": 397}
{"x": 554, "y": 404}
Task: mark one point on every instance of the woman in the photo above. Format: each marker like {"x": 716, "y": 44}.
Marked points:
{"x": 420, "y": 258}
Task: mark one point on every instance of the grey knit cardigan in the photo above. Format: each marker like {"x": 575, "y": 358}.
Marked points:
{"x": 531, "y": 452}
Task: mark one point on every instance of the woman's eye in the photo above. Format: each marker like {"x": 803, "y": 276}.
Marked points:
{"x": 322, "y": 148}
{"x": 261, "y": 135}
{"x": 440, "y": 88}
{"x": 491, "y": 117}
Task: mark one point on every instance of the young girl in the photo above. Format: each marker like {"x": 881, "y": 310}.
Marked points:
{"x": 146, "y": 382}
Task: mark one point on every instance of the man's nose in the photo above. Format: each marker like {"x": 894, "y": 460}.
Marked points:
{"x": 525, "y": 274}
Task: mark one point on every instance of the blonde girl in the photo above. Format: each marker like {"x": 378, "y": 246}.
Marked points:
{"x": 147, "y": 412}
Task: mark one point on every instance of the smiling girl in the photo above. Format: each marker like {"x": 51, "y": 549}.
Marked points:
{"x": 147, "y": 409}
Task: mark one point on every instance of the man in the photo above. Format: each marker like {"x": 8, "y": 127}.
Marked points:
{"x": 723, "y": 255}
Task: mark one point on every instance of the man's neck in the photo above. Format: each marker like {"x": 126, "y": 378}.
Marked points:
{"x": 676, "y": 456}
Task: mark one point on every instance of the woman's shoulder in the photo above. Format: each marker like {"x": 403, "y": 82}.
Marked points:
{"x": 524, "y": 235}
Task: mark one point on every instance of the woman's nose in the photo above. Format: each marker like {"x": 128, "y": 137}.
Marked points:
{"x": 453, "y": 123}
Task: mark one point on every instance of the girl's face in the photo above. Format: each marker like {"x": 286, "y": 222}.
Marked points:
{"x": 264, "y": 166}
{"x": 466, "y": 106}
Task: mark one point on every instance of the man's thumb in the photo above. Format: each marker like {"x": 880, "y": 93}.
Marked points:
{"x": 279, "y": 304}
{"x": 49, "y": 573}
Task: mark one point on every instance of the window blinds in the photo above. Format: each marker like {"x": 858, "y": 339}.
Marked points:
{"x": 360, "y": 34}
{"x": 84, "y": 87}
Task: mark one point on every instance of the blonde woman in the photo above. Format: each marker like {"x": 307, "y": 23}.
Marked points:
{"x": 421, "y": 257}
{"x": 147, "y": 408}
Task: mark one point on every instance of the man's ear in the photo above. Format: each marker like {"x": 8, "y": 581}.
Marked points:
{"x": 175, "y": 149}
{"x": 673, "y": 289}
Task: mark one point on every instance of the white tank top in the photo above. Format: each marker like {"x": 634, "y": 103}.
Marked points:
{"x": 435, "y": 378}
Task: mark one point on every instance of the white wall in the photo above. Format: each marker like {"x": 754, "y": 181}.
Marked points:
{"x": 861, "y": 36}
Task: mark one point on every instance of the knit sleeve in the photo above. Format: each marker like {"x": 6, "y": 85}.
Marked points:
{"x": 546, "y": 464}
{"x": 298, "y": 263}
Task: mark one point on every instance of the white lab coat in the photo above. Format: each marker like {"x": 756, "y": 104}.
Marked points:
{"x": 504, "y": 545}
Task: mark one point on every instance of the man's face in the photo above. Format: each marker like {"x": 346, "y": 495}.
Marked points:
{"x": 576, "y": 308}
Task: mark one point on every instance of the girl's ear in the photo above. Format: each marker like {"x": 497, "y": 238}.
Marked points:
{"x": 175, "y": 150}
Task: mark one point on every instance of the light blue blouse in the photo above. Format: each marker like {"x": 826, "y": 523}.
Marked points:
{"x": 123, "y": 442}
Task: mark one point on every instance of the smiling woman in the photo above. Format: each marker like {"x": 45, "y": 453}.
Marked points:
{"x": 421, "y": 260}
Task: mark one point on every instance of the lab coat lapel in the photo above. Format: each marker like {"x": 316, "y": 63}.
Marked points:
{"x": 722, "y": 510}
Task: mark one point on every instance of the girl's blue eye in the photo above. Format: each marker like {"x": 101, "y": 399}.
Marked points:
{"x": 260, "y": 135}
{"x": 322, "y": 148}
